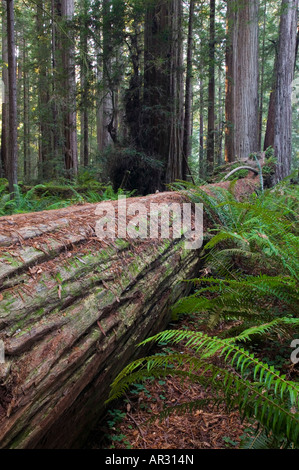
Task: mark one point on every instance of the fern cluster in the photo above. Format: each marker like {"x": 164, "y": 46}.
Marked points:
{"x": 252, "y": 258}
{"x": 42, "y": 197}
{"x": 257, "y": 389}
{"x": 250, "y": 279}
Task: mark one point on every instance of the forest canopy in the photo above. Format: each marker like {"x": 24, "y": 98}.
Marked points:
{"x": 141, "y": 93}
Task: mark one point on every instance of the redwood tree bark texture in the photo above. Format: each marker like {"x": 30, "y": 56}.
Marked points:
{"x": 242, "y": 79}
{"x": 72, "y": 310}
{"x": 211, "y": 100}
{"x": 163, "y": 86}
{"x": 70, "y": 117}
{"x": 5, "y": 110}
{"x": 188, "y": 95}
{"x": 283, "y": 89}
{"x": 12, "y": 166}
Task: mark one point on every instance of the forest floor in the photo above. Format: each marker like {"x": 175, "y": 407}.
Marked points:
{"x": 134, "y": 421}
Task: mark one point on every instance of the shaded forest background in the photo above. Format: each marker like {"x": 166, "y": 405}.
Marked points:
{"x": 140, "y": 93}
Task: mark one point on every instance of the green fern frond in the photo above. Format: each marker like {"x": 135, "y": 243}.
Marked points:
{"x": 255, "y": 387}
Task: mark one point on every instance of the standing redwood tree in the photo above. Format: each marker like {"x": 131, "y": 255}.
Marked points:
{"x": 188, "y": 95}
{"x": 26, "y": 114}
{"x": 163, "y": 87}
{"x": 5, "y": 110}
{"x": 211, "y": 104}
{"x": 12, "y": 166}
{"x": 242, "y": 79}
{"x": 108, "y": 91}
{"x": 283, "y": 88}
{"x": 44, "y": 115}
{"x": 68, "y": 61}
{"x": 84, "y": 72}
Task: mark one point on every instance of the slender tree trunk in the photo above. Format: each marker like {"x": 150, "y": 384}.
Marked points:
{"x": 230, "y": 152}
{"x": 242, "y": 79}
{"x": 5, "y": 96}
{"x": 84, "y": 147}
{"x": 45, "y": 150}
{"x": 219, "y": 136}
{"x": 211, "y": 103}
{"x": 56, "y": 140}
{"x": 99, "y": 101}
{"x": 108, "y": 91}
{"x": 283, "y": 89}
{"x": 201, "y": 131}
{"x": 201, "y": 165}
{"x": 262, "y": 79}
{"x": 70, "y": 122}
{"x": 27, "y": 156}
{"x": 269, "y": 134}
{"x": 12, "y": 78}
{"x": 188, "y": 95}
{"x": 297, "y": 46}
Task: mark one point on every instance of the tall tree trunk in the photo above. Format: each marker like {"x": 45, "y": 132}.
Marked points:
{"x": 188, "y": 95}
{"x": 174, "y": 169}
{"x": 201, "y": 165}
{"x": 70, "y": 122}
{"x": 219, "y": 135}
{"x": 26, "y": 137}
{"x": 262, "y": 79}
{"x": 269, "y": 134}
{"x": 133, "y": 102}
{"x": 201, "y": 131}
{"x": 84, "y": 149}
{"x": 5, "y": 97}
{"x": 230, "y": 152}
{"x": 163, "y": 87}
{"x": 108, "y": 89}
{"x": 242, "y": 79}
{"x": 283, "y": 88}
{"x": 45, "y": 151}
{"x": 12, "y": 79}
{"x": 99, "y": 101}
{"x": 56, "y": 140}
{"x": 211, "y": 100}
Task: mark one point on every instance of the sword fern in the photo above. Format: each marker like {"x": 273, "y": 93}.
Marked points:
{"x": 252, "y": 262}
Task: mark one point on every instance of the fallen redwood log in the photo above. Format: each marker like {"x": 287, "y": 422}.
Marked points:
{"x": 72, "y": 309}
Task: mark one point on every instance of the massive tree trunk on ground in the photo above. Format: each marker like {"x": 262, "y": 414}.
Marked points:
{"x": 72, "y": 310}
{"x": 242, "y": 79}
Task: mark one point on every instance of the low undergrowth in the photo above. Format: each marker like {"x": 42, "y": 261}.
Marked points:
{"x": 54, "y": 195}
{"x": 248, "y": 291}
